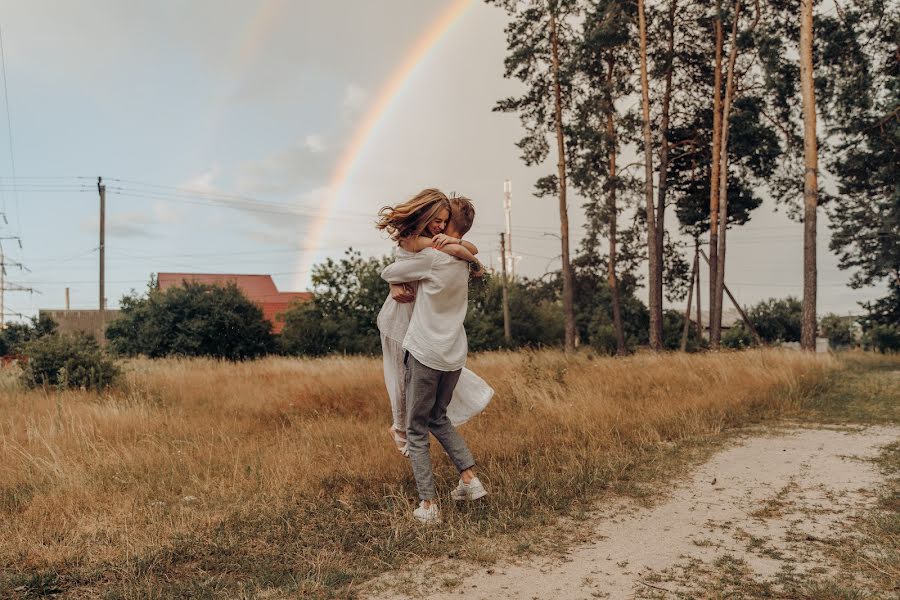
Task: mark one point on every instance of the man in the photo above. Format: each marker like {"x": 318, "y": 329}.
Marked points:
{"x": 436, "y": 350}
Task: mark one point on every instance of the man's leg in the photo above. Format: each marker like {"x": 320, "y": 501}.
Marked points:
{"x": 443, "y": 430}
{"x": 421, "y": 393}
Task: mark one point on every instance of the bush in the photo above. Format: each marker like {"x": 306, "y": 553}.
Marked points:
{"x": 68, "y": 361}
{"x": 737, "y": 338}
{"x": 882, "y": 338}
{"x": 192, "y": 319}
{"x": 838, "y": 330}
{"x": 14, "y": 336}
{"x": 777, "y": 320}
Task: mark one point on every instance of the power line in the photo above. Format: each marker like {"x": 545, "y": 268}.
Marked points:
{"x": 12, "y": 154}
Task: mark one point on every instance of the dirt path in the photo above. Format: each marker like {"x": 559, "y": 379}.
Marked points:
{"x": 765, "y": 504}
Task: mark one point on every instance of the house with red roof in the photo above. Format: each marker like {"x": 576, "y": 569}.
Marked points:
{"x": 260, "y": 289}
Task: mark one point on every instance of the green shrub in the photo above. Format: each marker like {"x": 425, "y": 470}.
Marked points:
{"x": 882, "y": 338}
{"x": 738, "y": 337}
{"x": 68, "y": 361}
{"x": 838, "y": 330}
{"x": 192, "y": 319}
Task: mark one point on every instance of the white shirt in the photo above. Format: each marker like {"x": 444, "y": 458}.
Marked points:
{"x": 436, "y": 336}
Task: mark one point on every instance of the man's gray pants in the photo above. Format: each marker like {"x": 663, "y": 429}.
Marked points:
{"x": 428, "y": 392}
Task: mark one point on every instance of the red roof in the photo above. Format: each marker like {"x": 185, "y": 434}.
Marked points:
{"x": 260, "y": 289}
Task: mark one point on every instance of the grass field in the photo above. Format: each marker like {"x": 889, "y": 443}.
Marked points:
{"x": 198, "y": 478}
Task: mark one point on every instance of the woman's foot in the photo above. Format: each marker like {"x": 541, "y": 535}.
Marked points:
{"x": 400, "y": 441}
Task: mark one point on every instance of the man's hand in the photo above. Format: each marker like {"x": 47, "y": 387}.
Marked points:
{"x": 402, "y": 293}
{"x": 477, "y": 269}
{"x": 441, "y": 240}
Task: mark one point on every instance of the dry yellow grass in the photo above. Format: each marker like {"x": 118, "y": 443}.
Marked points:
{"x": 199, "y": 478}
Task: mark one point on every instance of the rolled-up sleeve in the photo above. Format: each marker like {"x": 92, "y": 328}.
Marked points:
{"x": 413, "y": 268}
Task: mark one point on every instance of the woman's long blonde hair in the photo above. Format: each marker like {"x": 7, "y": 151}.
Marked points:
{"x": 412, "y": 217}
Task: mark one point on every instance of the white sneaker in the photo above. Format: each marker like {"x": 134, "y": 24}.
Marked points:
{"x": 429, "y": 515}
{"x": 469, "y": 491}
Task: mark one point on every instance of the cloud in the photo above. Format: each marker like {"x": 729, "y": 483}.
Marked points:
{"x": 303, "y": 165}
{"x": 205, "y": 182}
{"x": 131, "y": 224}
{"x": 313, "y": 143}
{"x": 355, "y": 97}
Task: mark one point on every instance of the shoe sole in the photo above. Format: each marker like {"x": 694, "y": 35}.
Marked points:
{"x": 470, "y": 497}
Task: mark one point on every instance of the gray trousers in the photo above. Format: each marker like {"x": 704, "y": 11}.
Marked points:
{"x": 428, "y": 392}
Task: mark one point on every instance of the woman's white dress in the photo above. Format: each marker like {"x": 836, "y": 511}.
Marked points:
{"x": 472, "y": 393}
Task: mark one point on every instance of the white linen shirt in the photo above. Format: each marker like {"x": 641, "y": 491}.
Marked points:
{"x": 436, "y": 336}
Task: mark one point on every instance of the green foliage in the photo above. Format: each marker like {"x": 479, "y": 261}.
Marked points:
{"x": 882, "y": 338}
{"x": 68, "y": 361}
{"x": 601, "y": 334}
{"x": 777, "y": 320}
{"x": 15, "y": 335}
{"x": 737, "y": 337}
{"x": 342, "y": 317}
{"x": 838, "y": 330}
{"x": 192, "y": 319}
{"x": 536, "y": 317}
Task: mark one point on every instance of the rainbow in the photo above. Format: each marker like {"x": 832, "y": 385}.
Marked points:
{"x": 366, "y": 127}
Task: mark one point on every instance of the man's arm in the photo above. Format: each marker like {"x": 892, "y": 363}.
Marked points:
{"x": 413, "y": 268}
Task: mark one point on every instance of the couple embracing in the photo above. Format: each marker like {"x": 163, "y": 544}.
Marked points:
{"x": 424, "y": 341}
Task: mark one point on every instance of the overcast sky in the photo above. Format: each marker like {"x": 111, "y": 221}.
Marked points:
{"x": 259, "y": 100}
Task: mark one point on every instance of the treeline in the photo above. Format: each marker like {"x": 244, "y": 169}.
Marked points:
{"x": 719, "y": 99}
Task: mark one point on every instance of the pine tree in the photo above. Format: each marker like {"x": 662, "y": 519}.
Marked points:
{"x": 539, "y": 40}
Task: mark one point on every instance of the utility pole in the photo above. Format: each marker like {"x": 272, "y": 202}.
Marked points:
{"x": 507, "y": 333}
{"x": 699, "y": 313}
{"x": 507, "y": 206}
{"x": 740, "y": 310}
{"x": 102, "y": 189}
{"x": 687, "y": 313}
{"x": 67, "y": 298}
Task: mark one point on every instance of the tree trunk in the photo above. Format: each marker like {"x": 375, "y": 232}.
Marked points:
{"x": 810, "y": 183}
{"x": 568, "y": 301}
{"x": 723, "y": 174}
{"x": 664, "y": 167}
{"x": 655, "y": 309}
{"x": 714, "y": 182}
{"x": 613, "y": 214}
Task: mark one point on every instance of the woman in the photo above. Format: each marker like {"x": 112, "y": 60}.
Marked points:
{"x": 415, "y": 225}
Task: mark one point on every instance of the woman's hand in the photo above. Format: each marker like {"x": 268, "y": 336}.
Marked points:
{"x": 441, "y": 240}
{"x": 402, "y": 293}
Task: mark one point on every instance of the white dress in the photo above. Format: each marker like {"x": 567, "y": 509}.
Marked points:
{"x": 472, "y": 393}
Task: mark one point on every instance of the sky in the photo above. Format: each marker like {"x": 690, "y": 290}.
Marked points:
{"x": 238, "y": 136}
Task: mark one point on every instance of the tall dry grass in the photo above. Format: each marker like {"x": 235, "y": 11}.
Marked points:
{"x": 199, "y": 478}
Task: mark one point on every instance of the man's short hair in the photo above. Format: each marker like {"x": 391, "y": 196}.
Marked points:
{"x": 462, "y": 214}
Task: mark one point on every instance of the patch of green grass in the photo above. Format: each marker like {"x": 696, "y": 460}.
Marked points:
{"x": 866, "y": 390}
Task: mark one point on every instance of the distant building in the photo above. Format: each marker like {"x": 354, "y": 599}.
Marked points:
{"x": 81, "y": 321}
{"x": 260, "y": 289}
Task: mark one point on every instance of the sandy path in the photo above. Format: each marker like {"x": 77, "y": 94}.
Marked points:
{"x": 765, "y": 501}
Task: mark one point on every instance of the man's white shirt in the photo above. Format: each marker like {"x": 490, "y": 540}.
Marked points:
{"x": 436, "y": 335}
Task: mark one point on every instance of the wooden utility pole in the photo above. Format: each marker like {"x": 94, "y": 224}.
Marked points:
{"x": 67, "y": 298}
{"x": 655, "y": 311}
{"x": 810, "y": 179}
{"x": 695, "y": 272}
{"x": 756, "y": 338}
{"x": 507, "y": 333}
{"x": 699, "y": 313}
{"x": 568, "y": 283}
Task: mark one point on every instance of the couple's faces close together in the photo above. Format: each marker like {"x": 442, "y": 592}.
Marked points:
{"x": 439, "y": 223}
